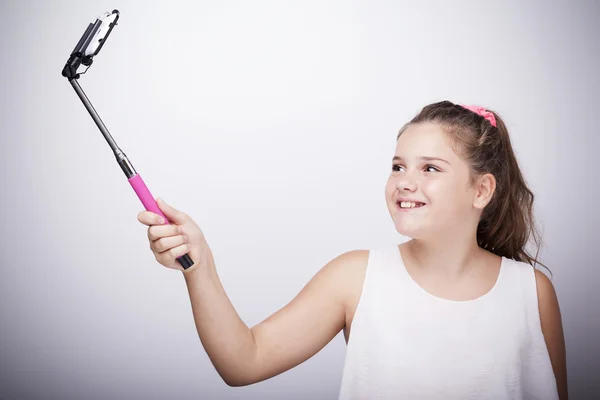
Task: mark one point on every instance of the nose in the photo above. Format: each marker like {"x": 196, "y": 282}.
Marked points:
{"x": 407, "y": 181}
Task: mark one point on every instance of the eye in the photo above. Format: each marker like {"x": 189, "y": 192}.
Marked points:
{"x": 396, "y": 166}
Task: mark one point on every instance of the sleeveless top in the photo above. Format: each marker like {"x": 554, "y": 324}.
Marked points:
{"x": 406, "y": 343}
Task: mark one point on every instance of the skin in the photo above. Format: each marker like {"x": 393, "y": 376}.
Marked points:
{"x": 442, "y": 257}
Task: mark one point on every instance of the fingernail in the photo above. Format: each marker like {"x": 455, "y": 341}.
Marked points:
{"x": 161, "y": 221}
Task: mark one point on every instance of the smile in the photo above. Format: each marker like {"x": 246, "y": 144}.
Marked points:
{"x": 409, "y": 205}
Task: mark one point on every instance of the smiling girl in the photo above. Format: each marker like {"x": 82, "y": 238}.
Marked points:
{"x": 457, "y": 312}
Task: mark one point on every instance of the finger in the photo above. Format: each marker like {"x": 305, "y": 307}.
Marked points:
{"x": 169, "y": 256}
{"x": 167, "y": 243}
{"x": 156, "y": 232}
{"x": 174, "y": 215}
{"x": 149, "y": 218}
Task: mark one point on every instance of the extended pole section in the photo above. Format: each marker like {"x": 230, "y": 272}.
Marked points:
{"x": 122, "y": 159}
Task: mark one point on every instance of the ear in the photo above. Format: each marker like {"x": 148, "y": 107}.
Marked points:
{"x": 485, "y": 186}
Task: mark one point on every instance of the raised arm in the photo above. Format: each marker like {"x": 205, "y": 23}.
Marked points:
{"x": 243, "y": 356}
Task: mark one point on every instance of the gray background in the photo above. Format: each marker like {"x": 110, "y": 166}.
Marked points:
{"x": 273, "y": 125}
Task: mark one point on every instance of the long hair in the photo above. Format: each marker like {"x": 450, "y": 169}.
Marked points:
{"x": 507, "y": 223}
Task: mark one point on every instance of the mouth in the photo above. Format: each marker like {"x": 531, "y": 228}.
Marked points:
{"x": 409, "y": 205}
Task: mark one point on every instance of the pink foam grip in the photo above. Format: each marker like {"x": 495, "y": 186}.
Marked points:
{"x": 138, "y": 185}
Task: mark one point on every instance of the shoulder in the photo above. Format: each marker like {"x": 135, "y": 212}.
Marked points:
{"x": 538, "y": 288}
{"x": 348, "y": 269}
{"x": 346, "y": 273}
{"x": 535, "y": 283}
{"x": 538, "y": 294}
{"x": 545, "y": 291}
{"x": 341, "y": 274}
{"x": 548, "y": 307}
{"x": 547, "y": 302}
{"x": 349, "y": 259}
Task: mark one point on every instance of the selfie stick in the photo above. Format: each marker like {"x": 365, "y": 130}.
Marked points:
{"x": 89, "y": 46}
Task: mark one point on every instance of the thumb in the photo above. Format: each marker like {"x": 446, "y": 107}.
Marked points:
{"x": 174, "y": 215}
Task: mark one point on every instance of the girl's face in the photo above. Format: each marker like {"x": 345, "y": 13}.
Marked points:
{"x": 425, "y": 169}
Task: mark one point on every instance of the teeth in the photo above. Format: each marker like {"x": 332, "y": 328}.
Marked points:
{"x": 408, "y": 204}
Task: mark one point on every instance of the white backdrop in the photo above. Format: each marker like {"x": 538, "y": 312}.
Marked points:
{"x": 273, "y": 125}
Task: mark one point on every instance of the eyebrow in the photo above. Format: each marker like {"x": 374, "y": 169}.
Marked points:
{"x": 396, "y": 158}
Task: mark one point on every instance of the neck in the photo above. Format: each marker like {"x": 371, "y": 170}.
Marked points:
{"x": 451, "y": 256}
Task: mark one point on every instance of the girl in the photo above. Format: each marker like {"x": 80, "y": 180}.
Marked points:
{"x": 457, "y": 312}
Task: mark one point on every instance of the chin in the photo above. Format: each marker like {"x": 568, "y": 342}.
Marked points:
{"x": 409, "y": 235}
{"x": 413, "y": 233}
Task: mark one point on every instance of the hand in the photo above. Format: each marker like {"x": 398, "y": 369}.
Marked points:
{"x": 181, "y": 236}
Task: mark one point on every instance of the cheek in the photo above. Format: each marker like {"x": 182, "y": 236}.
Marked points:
{"x": 449, "y": 197}
{"x": 436, "y": 191}
{"x": 444, "y": 195}
{"x": 389, "y": 188}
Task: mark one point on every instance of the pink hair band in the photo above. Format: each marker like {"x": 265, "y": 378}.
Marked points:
{"x": 483, "y": 112}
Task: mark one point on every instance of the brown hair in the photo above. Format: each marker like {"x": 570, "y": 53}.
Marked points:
{"x": 507, "y": 222}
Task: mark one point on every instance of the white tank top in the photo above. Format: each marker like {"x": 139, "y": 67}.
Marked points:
{"x": 408, "y": 344}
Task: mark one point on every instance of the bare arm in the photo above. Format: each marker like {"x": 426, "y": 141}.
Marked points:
{"x": 552, "y": 329}
{"x": 244, "y": 356}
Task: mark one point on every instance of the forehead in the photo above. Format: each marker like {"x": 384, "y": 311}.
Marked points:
{"x": 426, "y": 139}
